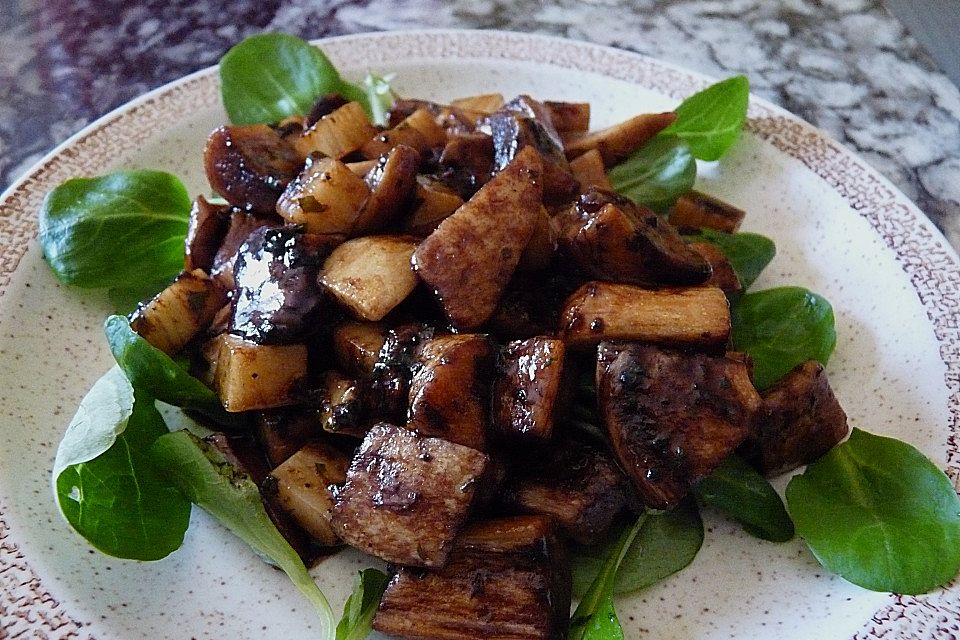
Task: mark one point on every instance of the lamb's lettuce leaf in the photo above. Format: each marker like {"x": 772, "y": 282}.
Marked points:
{"x": 710, "y": 121}
{"x": 115, "y": 231}
{"x": 205, "y": 477}
{"x": 104, "y": 484}
{"x": 656, "y": 174}
{"x": 877, "y": 512}
{"x": 595, "y": 617}
{"x": 158, "y": 374}
{"x": 270, "y": 76}
{"x": 360, "y": 607}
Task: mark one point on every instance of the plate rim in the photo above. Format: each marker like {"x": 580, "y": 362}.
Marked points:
{"x": 930, "y": 263}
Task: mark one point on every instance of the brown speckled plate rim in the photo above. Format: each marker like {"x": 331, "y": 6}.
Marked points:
{"x": 27, "y": 608}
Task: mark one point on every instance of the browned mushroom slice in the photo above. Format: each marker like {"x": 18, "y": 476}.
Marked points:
{"x": 532, "y": 303}
{"x": 291, "y": 127}
{"x": 526, "y": 389}
{"x": 485, "y": 103}
{"x": 470, "y": 157}
{"x": 506, "y": 579}
{"x": 455, "y": 121}
{"x": 490, "y": 485}
{"x": 568, "y": 117}
{"x": 390, "y": 381}
{"x": 419, "y": 131}
{"x": 692, "y": 316}
{"x": 206, "y": 229}
{"x": 612, "y": 239}
{"x": 450, "y": 389}
{"x": 425, "y": 121}
{"x": 541, "y": 250}
{"x": 576, "y": 484}
{"x": 531, "y": 126}
{"x": 180, "y": 312}
{"x": 722, "y": 274}
{"x": 392, "y": 182}
{"x": 357, "y": 346}
{"x": 800, "y": 421}
{"x": 469, "y": 259}
{"x": 362, "y": 167}
{"x": 589, "y": 171}
{"x": 524, "y": 122}
{"x": 433, "y": 202}
{"x": 343, "y": 405}
{"x": 403, "y": 107}
{"x": 407, "y": 496}
{"x": 695, "y": 210}
{"x": 241, "y": 226}
{"x": 303, "y": 486}
{"x": 250, "y": 165}
{"x": 619, "y": 141}
{"x": 672, "y": 417}
{"x": 325, "y": 105}
{"x": 277, "y": 294}
{"x": 281, "y": 432}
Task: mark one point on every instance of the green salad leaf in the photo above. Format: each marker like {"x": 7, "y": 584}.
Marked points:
{"x": 656, "y": 174}
{"x": 115, "y": 231}
{"x": 667, "y": 542}
{"x": 878, "y": 513}
{"x": 270, "y": 76}
{"x": 380, "y": 96}
{"x": 710, "y": 121}
{"x": 739, "y": 491}
{"x": 748, "y": 253}
{"x": 105, "y": 486}
{"x": 361, "y": 605}
{"x": 782, "y": 328}
{"x": 102, "y": 416}
{"x": 205, "y": 478}
{"x": 156, "y": 373}
{"x": 126, "y": 299}
{"x": 595, "y": 617}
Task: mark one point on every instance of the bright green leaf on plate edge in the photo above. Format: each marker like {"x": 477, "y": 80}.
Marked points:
{"x": 270, "y": 76}
{"x": 877, "y": 512}
{"x": 711, "y": 120}
{"x": 748, "y": 253}
{"x": 105, "y": 486}
{"x": 656, "y": 174}
{"x": 115, "y": 231}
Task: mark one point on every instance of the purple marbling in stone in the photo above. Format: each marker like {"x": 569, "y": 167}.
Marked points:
{"x": 847, "y": 66}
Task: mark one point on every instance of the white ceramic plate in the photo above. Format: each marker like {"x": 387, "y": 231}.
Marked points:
{"x": 841, "y": 229}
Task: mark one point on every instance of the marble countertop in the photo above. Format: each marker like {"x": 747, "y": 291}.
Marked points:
{"x": 847, "y": 66}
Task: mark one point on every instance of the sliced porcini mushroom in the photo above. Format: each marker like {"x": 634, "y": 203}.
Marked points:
{"x": 250, "y": 165}
{"x": 671, "y": 416}
{"x": 610, "y": 238}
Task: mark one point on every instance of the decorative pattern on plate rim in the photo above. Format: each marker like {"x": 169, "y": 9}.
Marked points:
{"x": 89, "y": 153}
{"x": 922, "y": 253}
{"x": 25, "y": 606}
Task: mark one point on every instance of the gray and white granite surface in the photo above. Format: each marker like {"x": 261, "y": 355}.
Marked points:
{"x": 847, "y": 66}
